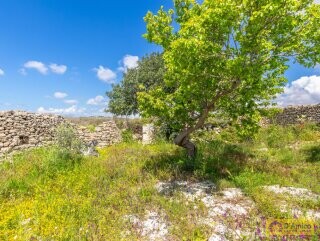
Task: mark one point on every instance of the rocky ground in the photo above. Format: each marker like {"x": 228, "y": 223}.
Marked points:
{"x": 231, "y": 215}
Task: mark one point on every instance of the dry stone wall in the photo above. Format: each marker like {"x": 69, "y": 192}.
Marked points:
{"x": 297, "y": 114}
{"x": 21, "y": 130}
{"x": 105, "y": 134}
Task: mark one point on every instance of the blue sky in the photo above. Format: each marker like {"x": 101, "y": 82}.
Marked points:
{"x": 61, "y": 56}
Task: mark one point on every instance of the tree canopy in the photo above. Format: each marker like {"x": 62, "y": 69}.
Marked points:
{"x": 227, "y": 56}
{"x": 123, "y": 96}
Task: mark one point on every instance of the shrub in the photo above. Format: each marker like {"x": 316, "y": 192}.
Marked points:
{"x": 127, "y": 136}
{"x": 67, "y": 141}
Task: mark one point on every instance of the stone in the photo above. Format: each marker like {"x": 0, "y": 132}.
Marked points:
{"x": 90, "y": 149}
{"x": 147, "y": 134}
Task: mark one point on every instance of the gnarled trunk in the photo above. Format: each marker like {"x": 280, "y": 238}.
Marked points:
{"x": 183, "y": 140}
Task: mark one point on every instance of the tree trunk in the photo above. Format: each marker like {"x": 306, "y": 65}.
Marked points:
{"x": 183, "y": 140}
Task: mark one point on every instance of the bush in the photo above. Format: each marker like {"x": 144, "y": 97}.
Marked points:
{"x": 67, "y": 141}
{"x": 127, "y": 136}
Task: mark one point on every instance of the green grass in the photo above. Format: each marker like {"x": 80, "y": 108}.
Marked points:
{"x": 46, "y": 196}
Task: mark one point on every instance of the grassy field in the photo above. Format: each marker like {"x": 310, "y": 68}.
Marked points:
{"x": 47, "y": 196}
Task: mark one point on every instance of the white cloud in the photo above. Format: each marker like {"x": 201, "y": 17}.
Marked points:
{"x": 71, "y": 102}
{"x": 43, "y": 68}
{"x": 1, "y": 72}
{"x": 39, "y": 66}
{"x": 105, "y": 74}
{"x": 129, "y": 62}
{"x": 60, "y": 95}
{"x": 98, "y": 100}
{"x": 58, "y": 69}
{"x": 73, "y": 110}
{"x": 303, "y": 91}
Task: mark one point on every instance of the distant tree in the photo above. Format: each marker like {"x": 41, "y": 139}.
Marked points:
{"x": 123, "y": 96}
{"x": 227, "y": 56}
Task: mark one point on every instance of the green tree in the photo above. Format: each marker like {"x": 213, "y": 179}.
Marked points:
{"x": 123, "y": 96}
{"x": 227, "y": 56}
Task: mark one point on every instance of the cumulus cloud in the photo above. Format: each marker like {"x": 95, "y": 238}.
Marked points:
{"x": 109, "y": 76}
{"x": 42, "y": 68}
{"x": 39, "y": 66}
{"x": 98, "y": 100}
{"x": 303, "y": 91}
{"x": 58, "y": 69}
{"x": 73, "y": 110}
{"x": 60, "y": 95}
{"x": 71, "y": 102}
{"x": 129, "y": 62}
{"x": 1, "y": 72}
{"x": 105, "y": 74}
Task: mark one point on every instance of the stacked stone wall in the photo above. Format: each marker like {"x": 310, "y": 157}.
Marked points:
{"x": 20, "y": 130}
{"x": 105, "y": 134}
{"x": 297, "y": 114}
